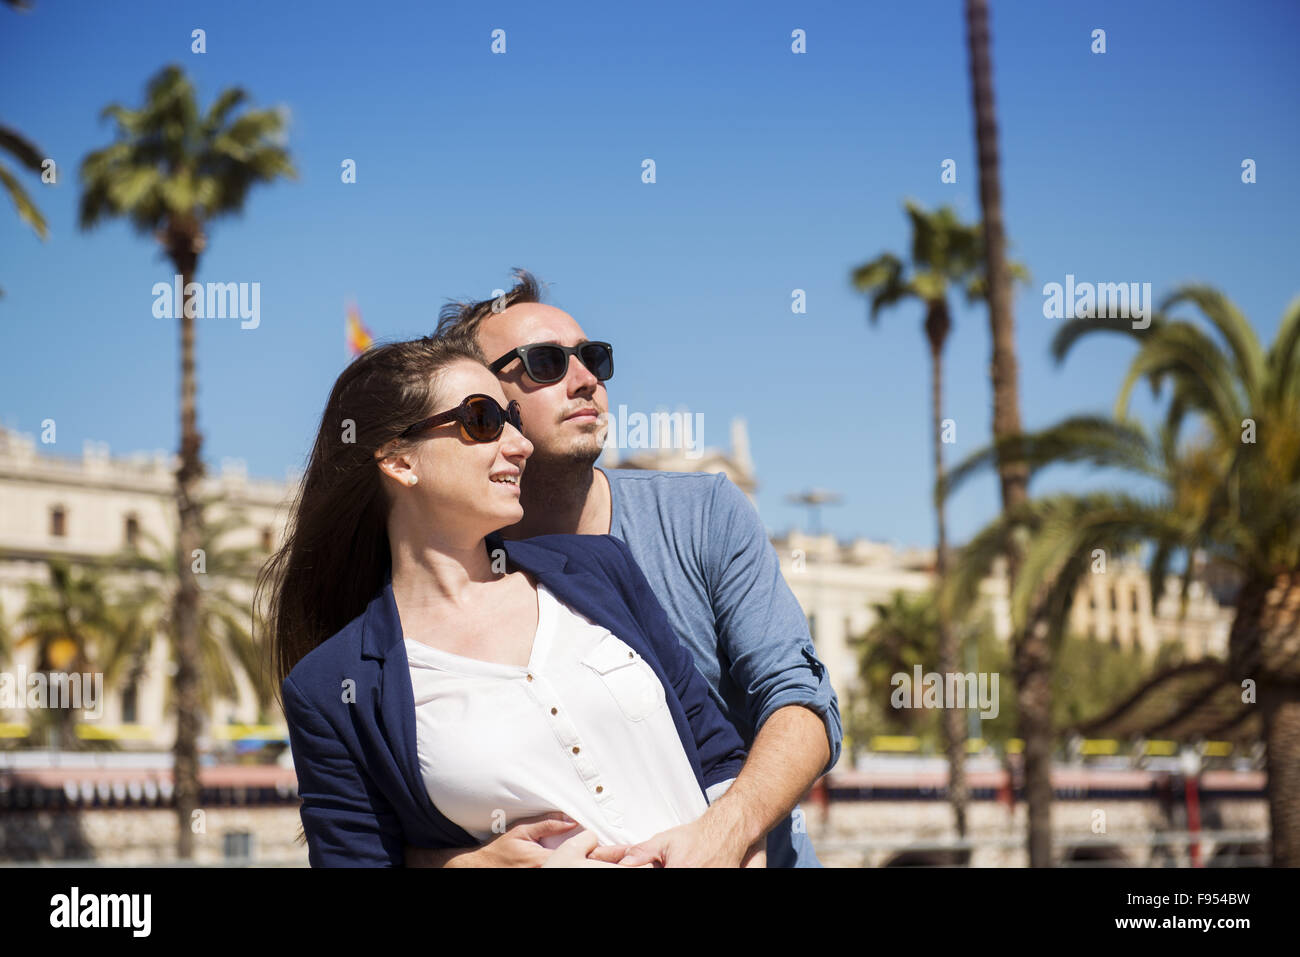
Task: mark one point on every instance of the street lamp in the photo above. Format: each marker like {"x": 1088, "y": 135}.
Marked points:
{"x": 813, "y": 500}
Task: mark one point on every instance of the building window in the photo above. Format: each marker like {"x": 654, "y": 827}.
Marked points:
{"x": 268, "y": 539}
{"x": 58, "y": 522}
{"x": 237, "y": 845}
{"x": 1114, "y": 601}
{"x": 1134, "y": 596}
{"x": 129, "y": 705}
{"x": 1114, "y": 637}
{"x": 131, "y": 532}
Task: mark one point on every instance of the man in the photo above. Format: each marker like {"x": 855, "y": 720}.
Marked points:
{"x": 706, "y": 555}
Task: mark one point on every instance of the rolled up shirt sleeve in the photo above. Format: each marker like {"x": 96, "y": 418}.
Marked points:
{"x": 760, "y": 626}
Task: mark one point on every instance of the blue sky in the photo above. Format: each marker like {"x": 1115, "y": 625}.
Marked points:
{"x": 775, "y": 171}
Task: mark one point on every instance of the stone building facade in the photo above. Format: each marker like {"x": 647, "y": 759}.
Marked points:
{"x": 94, "y": 506}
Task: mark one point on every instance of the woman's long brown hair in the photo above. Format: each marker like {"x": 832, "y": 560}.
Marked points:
{"x": 335, "y": 557}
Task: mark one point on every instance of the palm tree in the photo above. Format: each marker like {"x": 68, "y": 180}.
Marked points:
{"x": 902, "y": 635}
{"x": 84, "y": 620}
{"x": 28, "y": 156}
{"x": 69, "y": 620}
{"x": 1032, "y": 664}
{"x": 171, "y": 171}
{"x": 227, "y": 646}
{"x": 1231, "y": 491}
{"x": 944, "y": 251}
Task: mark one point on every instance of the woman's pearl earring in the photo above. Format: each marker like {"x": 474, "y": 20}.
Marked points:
{"x": 412, "y": 480}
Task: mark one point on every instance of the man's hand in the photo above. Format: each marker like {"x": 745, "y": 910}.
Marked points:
{"x": 702, "y": 843}
{"x": 519, "y": 846}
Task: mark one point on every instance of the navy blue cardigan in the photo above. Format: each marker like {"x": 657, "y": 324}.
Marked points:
{"x": 351, "y": 709}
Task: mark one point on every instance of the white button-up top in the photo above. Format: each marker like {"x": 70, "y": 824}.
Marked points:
{"x": 583, "y": 728}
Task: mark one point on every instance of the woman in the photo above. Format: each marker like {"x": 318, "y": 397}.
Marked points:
{"x": 440, "y": 684}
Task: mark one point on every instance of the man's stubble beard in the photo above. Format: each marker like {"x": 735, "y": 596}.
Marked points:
{"x": 556, "y": 484}
{"x": 556, "y": 470}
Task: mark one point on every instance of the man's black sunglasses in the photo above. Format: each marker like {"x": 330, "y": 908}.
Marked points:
{"x": 480, "y": 416}
{"x": 549, "y": 362}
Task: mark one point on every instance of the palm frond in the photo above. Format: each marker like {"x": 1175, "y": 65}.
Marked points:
{"x": 1284, "y": 358}
{"x": 27, "y": 210}
{"x": 1202, "y": 372}
{"x": 1072, "y": 330}
{"x": 1247, "y": 357}
{"x": 1096, "y": 440}
{"x": 27, "y": 153}
{"x": 1068, "y": 530}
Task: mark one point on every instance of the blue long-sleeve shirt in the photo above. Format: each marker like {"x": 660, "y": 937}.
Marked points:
{"x": 707, "y": 557}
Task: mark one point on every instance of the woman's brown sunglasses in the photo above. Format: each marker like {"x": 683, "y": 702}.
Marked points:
{"x": 480, "y": 416}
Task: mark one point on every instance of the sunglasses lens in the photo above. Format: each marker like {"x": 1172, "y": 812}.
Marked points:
{"x": 547, "y": 363}
{"x": 514, "y": 417}
{"x": 482, "y": 420}
{"x": 599, "y": 360}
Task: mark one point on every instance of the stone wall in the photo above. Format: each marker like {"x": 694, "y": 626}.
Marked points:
{"x": 1073, "y": 823}
{"x": 147, "y": 836}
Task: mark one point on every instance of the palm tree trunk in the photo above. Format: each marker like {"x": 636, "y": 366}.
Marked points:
{"x": 1034, "y": 700}
{"x": 67, "y": 725}
{"x": 184, "y": 244}
{"x": 1280, "y": 709}
{"x": 1264, "y": 646}
{"x": 954, "y": 725}
{"x": 1031, "y": 652}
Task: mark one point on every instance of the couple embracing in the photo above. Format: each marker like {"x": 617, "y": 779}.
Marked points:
{"x": 492, "y": 653}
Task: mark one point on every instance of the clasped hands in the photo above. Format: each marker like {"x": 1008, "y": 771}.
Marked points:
{"x": 704, "y": 842}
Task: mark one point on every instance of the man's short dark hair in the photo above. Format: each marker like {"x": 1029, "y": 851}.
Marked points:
{"x": 459, "y": 320}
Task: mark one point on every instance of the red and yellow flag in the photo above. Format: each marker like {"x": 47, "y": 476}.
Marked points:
{"x": 355, "y": 332}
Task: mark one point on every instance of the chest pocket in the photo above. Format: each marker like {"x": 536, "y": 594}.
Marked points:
{"x": 627, "y": 676}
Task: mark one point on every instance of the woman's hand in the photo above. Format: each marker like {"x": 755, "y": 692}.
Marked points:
{"x": 521, "y": 846}
{"x": 573, "y": 852}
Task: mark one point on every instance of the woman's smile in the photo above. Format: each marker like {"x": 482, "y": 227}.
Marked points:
{"x": 509, "y": 479}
